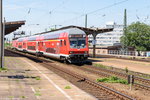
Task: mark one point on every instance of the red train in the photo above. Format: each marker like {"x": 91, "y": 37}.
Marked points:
{"x": 69, "y": 44}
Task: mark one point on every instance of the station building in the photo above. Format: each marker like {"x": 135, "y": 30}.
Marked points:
{"x": 108, "y": 41}
{"x": 109, "y": 38}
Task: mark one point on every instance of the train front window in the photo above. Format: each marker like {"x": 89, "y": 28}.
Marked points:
{"x": 77, "y": 43}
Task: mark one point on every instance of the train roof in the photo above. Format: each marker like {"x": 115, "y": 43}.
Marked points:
{"x": 88, "y": 31}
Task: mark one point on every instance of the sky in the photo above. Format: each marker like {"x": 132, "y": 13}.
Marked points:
{"x": 41, "y": 15}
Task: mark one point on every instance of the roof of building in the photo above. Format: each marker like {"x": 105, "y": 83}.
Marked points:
{"x": 12, "y": 26}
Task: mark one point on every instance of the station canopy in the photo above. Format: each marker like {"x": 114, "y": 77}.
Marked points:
{"x": 88, "y": 31}
{"x": 12, "y": 26}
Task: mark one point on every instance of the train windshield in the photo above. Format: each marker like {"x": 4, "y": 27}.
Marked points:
{"x": 77, "y": 43}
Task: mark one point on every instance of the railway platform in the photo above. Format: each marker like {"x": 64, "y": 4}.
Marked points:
{"x": 25, "y": 79}
{"x": 137, "y": 66}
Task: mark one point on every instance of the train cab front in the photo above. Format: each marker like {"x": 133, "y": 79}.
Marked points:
{"x": 78, "y": 51}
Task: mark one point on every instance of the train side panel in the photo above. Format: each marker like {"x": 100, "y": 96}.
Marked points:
{"x": 68, "y": 45}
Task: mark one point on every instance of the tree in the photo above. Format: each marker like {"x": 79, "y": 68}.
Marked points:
{"x": 137, "y": 35}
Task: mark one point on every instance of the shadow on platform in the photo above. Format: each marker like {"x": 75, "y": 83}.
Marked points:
{"x": 17, "y": 76}
{"x": 10, "y": 54}
{"x": 93, "y": 60}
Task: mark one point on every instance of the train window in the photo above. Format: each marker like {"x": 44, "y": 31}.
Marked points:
{"x": 77, "y": 43}
{"x": 60, "y": 42}
{"x": 64, "y": 42}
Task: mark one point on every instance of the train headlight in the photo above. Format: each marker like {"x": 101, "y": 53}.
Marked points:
{"x": 85, "y": 52}
{"x": 71, "y": 52}
{"x": 84, "y": 35}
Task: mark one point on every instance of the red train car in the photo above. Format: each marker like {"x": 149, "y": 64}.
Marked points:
{"x": 69, "y": 44}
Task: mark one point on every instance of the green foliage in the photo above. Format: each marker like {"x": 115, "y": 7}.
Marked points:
{"x": 126, "y": 69}
{"x": 137, "y": 35}
{"x": 22, "y": 97}
{"x": 67, "y": 87}
{"x": 52, "y": 29}
{"x": 100, "y": 65}
{"x": 37, "y": 93}
{"x": 27, "y": 70}
{"x": 3, "y": 69}
{"x": 38, "y": 78}
{"x": 11, "y": 97}
{"x": 7, "y": 44}
{"x": 112, "y": 79}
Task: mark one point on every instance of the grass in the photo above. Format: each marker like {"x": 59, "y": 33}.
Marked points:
{"x": 38, "y": 78}
{"x": 37, "y": 93}
{"x": 27, "y": 70}
{"x": 11, "y": 97}
{"x": 100, "y": 65}
{"x": 3, "y": 69}
{"x": 112, "y": 79}
{"x": 67, "y": 87}
{"x": 22, "y": 97}
{"x": 17, "y": 80}
{"x": 126, "y": 70}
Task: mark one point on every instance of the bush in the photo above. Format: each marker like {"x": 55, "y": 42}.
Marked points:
{"x": 3, "y": 69}
{"x": 100, "y": 65}
{"x": 112, "y": 79}
{"x": 67, "y": 87}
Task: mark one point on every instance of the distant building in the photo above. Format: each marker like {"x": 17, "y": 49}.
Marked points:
{"x": 109, "y": 38}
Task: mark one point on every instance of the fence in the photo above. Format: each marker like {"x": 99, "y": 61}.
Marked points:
{"x": 128, "y": 53}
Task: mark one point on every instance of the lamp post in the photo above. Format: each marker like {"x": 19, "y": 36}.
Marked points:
{"x": 1, "y": 36}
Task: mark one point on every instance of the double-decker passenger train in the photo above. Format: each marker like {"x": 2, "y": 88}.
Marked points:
{"x": 69, "y": 44}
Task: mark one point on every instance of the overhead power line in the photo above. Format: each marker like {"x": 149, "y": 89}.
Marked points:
{"x": 60, "y": 5}
{"x": 109, "y": 6}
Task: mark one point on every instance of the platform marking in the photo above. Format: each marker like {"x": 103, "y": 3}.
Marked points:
{"x": 34, "y": 91}
{"x": 56, "y": 86}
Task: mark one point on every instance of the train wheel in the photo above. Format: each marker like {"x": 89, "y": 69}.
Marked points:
{"x": 37, "y": 54}
{"x": 65, "y": 61}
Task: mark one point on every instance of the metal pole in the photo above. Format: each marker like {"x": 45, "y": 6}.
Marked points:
{"x": 125, "y": 29}
{"x": 3, "y": 35}
{"x": 55, "y": 27}
{"x": 86, "y": 21}
{"x": 94, "y": 44}
{"x": 131, "y": 82}
{"x": 1, "y": 32}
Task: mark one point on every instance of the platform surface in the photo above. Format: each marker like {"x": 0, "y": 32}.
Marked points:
{"x": 28, "y": 80}
{"x": 138, "y": 66}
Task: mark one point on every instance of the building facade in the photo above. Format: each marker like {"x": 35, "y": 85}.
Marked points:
{"x": 109, "y": 38}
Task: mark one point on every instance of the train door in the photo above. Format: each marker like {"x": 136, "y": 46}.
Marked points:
{"x": 24, "y": 45}
{"x": 63, "y": 47}
{"x": 40, "y": 46}
{"x": 58, "y": 47}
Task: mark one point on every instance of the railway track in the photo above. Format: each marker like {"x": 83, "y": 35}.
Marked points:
{"x": 122, "y": 57}
{"x": 98, "y": 90}
{"x": 142, "y": 83}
